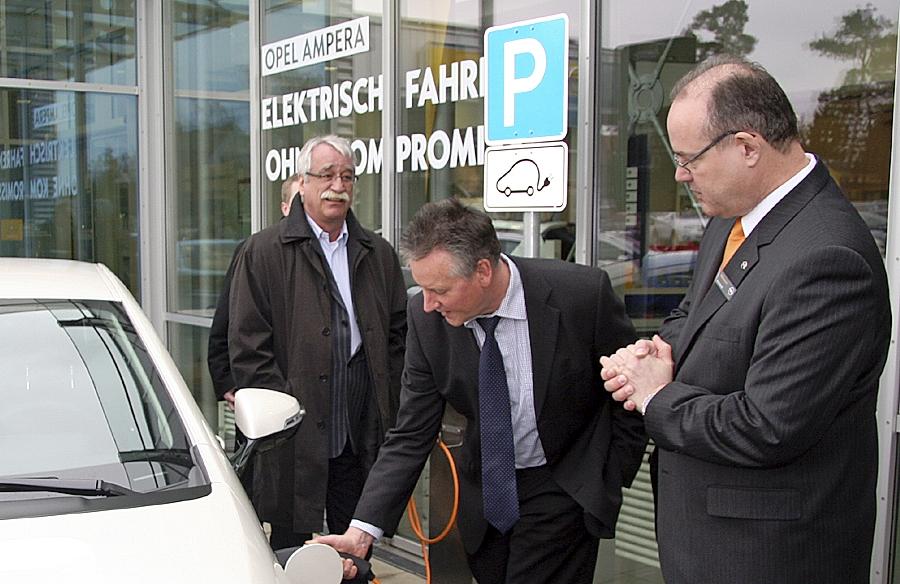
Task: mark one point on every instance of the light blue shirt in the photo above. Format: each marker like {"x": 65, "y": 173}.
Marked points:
{"x": 336, "y": 255}
{"x": 515, "y": 347}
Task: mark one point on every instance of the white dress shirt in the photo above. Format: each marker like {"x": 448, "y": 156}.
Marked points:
{"x": 336, "y": 255}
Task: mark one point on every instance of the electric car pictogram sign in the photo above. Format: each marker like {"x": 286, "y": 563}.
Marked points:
{"x": 529, "y": 177}
{"x": 526, "y": 115}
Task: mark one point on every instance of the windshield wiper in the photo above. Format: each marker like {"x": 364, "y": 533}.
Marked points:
{"x": 176, "y": 456}
{"x": 81, "y": 487}
{"x": 95, "y": 321}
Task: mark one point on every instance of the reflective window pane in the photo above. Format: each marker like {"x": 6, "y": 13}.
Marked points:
{"x": 837, "y": 68}
{"x": 68, "y": 178}
{"x": 210, "y": 188}
{"x": 342, "y": 96}
{"x": 211, "y": 45}
{"x": 212, "y": 198}
{"x": 441, "y": 143}
{"x": 78, "y": 40}
{"x": 187, "y": 345}
{"x": 835, "y": 62}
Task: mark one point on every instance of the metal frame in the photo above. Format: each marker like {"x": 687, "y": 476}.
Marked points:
{"x": 257, "y": 205}
{"x": 151, "y": 157}
{"x": 390, "y": 119}
{"x": 588, "y": 49}
{"x": 888, "y": 398}
{"x": 77, "y": 86}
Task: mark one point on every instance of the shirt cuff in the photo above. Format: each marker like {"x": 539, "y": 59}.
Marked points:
{"x": 646, "y": 402}
{"x": 375, "y": 532}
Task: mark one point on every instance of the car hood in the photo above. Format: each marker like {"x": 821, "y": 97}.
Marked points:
{"x": 215, "y": 538}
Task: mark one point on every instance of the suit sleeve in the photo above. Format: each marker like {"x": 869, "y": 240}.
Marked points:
{"x": 801, "y": 373}
{"x": 408, "y": 445}
{"x": 397, "y": 330}
{"x": 217, "y": 358}
{"x": 674, "y": 322}
{"x": 613, "y": 330}
{"x": 250, "y": 331}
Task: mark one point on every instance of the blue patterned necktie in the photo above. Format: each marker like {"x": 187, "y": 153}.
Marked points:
{"x": 498, "y": 457}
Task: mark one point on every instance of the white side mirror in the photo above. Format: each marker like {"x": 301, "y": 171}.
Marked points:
{"x": 263, "y": 412}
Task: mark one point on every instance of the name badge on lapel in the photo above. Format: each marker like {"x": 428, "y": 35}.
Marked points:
{"x": 725, "y": 285}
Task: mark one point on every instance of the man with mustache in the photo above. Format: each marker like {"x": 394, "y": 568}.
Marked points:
{"x": 318, "y": 310}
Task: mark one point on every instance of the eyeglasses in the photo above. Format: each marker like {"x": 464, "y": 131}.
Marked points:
{"x": 707, "y": 148}
{"x": 328, "y": 177}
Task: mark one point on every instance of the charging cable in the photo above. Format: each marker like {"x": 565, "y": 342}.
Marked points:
{"x": 416, "y": 524}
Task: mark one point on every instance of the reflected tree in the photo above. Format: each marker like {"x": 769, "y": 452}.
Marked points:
{"x": 852, "y": 126}
{"x": 725, "y": 24}
{"x": 867, "y": 39}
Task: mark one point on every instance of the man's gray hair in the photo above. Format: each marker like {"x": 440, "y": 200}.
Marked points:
{"x": 467, "y": 234}
{"x": 304, "y": 159}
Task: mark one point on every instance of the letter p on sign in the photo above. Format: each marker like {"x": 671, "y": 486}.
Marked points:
{"x": 527, "y": 81}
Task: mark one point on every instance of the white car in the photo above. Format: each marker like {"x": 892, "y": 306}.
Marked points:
{"x": 108, "y": 471}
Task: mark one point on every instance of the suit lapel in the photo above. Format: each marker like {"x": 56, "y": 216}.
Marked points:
{"x": 707, "y": 298}
{"x": 747, "y": 255}
{"x": 543, "y": 326}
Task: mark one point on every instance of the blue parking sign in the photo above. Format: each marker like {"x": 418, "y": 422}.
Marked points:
{"x": 526, "y": 95}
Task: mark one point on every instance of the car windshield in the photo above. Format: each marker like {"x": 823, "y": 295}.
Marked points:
{"x": 81, "y": 401}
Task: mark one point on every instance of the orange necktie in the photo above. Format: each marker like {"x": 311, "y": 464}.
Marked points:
{"x": 735, "y": 239}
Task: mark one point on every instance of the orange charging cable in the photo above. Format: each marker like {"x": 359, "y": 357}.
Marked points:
{"x": 416, "y": 524}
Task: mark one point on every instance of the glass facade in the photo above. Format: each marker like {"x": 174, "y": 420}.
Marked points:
{"x": 208, "y": 183}
{"x": 838, "y": 69}
{"x": 84, "y": 174}
{"x": 68, "y": 178}
{"x": 93, "y": 41}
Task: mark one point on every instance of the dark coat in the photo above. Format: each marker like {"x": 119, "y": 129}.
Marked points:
{"x": 767, "y": 444}
{"x": 593, "y": 446}
{"x": 278, "y": 337}
{"x": 217, "y": 357}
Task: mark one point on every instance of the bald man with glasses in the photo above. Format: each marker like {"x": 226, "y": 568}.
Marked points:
{"x": 318, "y": 310}
{"x": 760, "y": 389}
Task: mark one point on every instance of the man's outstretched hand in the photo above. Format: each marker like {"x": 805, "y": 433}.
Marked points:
{"x": 354, "y": 541}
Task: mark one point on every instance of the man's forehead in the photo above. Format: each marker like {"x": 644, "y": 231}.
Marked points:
{"x": 328, "y": 156}
{"x": 686, "y": 121}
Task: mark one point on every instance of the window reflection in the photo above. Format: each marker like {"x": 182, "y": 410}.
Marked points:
{"x": 836, "y": 63}
{"x": 211, "y": 168}
{"x": 212, "y": 191}
{"x": 354, "y": 84}
{"x": 87, "y": 400}
{"x": 845, "y": 117}
{"x": 78, "y": 40}
{"x": 68, "y": 178}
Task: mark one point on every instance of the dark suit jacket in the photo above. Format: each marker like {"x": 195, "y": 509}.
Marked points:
{"x": 767, "y": 437}
{"x": 593, "y": 446}
{"x": 217, "y": 349}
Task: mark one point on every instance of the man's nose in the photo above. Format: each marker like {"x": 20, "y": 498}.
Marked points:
{"x": 682, "y": 174}
{"x": 429, "y": 304}
{"x": 337, "y": 184}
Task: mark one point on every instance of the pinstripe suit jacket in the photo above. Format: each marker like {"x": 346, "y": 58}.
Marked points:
{"x": 767, "y": 437}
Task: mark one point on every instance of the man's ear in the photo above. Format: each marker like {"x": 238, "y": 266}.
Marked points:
{"x": 751, "y": 145}
{"x": 484, "y": 271}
